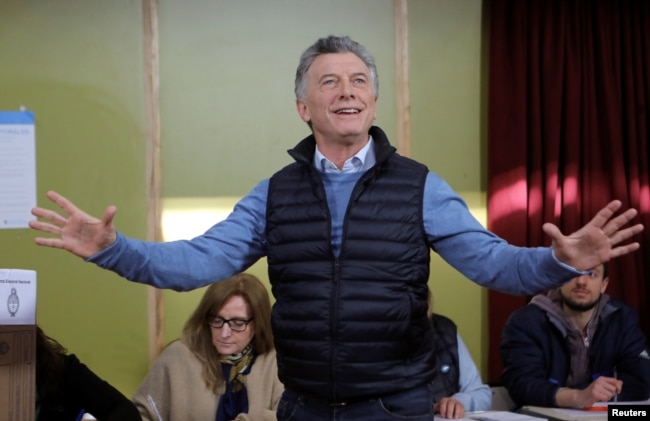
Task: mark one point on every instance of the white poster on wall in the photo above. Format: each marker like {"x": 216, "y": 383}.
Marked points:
{"x": 17, "y": 297}
{"x": 17, "y": 168}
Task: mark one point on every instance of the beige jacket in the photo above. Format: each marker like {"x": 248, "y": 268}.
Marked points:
{"x": 174, "y": 389}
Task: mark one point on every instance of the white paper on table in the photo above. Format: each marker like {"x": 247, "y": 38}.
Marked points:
{"x": 17, "y": 297}
{"x": 17, "y": 168}
{"x": 500, "y": 416}
{"x": 492, "y": 416}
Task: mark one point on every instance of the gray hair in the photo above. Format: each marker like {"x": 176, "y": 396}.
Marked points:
{"x": 333, "y": 44}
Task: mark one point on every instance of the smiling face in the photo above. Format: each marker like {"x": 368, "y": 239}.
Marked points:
{"x": 339, "y": 102}
{"x": 582, "y": 293}
{"x": 224, "y": 339}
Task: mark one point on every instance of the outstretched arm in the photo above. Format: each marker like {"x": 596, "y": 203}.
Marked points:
{"x": 598, "y": 241}
{"x": 74, "y": 230}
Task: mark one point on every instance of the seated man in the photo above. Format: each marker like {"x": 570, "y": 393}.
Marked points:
{"x": 461, "y": 388}
{"x": 575, "y": 346}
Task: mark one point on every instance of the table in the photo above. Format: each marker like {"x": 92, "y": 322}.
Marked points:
{"x": 564, "y": 414}
{"x": 493, "y": 416}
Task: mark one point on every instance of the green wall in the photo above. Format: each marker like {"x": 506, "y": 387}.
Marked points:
{"x": 78, "y": 65}
{"x": 227, "y": 118}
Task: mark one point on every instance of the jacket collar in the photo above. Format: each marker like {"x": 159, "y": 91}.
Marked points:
{"x": 304, "y": 151}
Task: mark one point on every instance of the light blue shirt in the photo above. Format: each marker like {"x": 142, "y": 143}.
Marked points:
{"x": 361, "y": 161}
{"x": 474, "y": 394}
{"x": 234, "y": 244}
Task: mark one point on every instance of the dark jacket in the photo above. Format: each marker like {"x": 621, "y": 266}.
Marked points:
{"x": 354, "y": 326}
{"x": 536, "y": 359}
{"x": 81, "y": 390}
{"x": 446, "y": 347}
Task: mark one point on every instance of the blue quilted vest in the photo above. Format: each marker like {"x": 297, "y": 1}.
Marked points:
{"x": 355, "y": 326}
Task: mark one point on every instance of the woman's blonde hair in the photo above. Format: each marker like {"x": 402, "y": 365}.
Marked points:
{"x": 197, "y": 333}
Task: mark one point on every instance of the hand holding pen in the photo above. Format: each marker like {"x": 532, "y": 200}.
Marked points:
{"x": 603, "y": 389}
{"x": 603, "y": 406}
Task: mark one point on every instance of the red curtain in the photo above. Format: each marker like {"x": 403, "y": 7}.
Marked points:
{"x": 568, "y": 121}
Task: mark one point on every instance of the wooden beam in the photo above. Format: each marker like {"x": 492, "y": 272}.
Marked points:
{"x": 155, "y": 308}
{"x": 402, "y": 77}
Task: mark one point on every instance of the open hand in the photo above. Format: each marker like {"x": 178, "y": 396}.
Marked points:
{"x": 75, "y": 230}
{"x": 598, "y": 241}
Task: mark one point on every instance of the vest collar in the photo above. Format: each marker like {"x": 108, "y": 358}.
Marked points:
{"x": 304, "y": 151}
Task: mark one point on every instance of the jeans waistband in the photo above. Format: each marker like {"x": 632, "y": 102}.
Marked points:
{"x": 345, "y": 402}
{"x": 326, "y": 402}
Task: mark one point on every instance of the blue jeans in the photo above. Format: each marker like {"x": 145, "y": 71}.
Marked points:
{"x": 411, "y": 405}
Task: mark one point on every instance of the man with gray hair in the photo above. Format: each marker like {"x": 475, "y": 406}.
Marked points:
{"x": 347, "y": 230}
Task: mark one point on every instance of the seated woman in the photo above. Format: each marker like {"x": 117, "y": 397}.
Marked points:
{"x": 66, "y": 389}
{"x": 462, "y": 388}
{"x": 223, "y": 368}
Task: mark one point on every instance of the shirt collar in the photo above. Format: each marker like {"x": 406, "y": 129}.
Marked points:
{"x": 361, "y": 161}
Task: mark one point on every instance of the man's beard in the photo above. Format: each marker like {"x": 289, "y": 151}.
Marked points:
{"x": 575, "y": 306}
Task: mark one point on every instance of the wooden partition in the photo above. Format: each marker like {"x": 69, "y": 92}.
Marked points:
{"x": 17, "y": 372}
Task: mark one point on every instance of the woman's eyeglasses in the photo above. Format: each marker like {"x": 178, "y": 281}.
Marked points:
{"x": 236, "y": 325}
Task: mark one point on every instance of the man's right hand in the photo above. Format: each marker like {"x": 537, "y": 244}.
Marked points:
{"x": 603, "y": 389}
{"x": 75, "y": 230}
